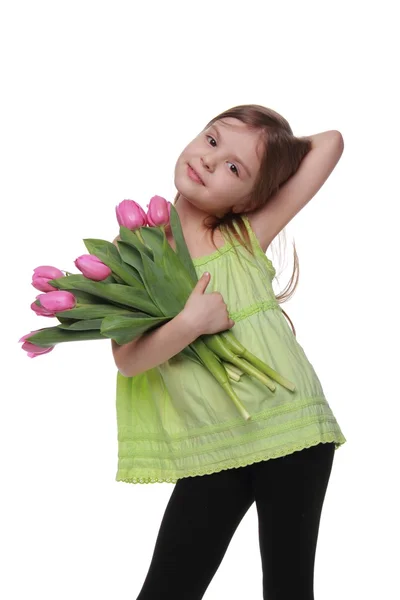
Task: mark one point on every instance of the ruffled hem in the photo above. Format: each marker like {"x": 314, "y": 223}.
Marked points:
{"x": 240, "y": 462}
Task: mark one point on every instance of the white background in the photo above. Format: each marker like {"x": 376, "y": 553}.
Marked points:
{"x": 98, "y": 99}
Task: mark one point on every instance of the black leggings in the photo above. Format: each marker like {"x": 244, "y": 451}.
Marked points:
{"x": 204, "y": 511}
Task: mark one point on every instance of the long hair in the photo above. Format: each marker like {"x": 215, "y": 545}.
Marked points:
{"x": 281, "y": 156}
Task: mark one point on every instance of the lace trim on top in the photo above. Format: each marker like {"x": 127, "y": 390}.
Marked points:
{"x": 202, "y": 260}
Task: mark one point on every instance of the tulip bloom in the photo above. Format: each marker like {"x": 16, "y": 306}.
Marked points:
{"x": 42, "y": 275}
{"x": 92, "y": 267}
{"x": 57, "y": 301}
{"x": 40, "y": 311}
{"x": 158, "y": 211}
{"x": 130, "y": 214}
{"x": 32, "y": 349}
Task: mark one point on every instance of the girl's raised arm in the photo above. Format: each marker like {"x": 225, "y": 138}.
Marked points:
{"x": 294, "y": 195}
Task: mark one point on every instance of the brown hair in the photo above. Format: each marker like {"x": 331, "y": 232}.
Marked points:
{"x": 282, "y": 154}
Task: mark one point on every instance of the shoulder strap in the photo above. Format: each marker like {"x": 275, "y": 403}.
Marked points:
{"x": 256, "y": 244}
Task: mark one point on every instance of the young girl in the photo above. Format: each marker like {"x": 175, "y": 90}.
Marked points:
{"x": 239, "y": 182}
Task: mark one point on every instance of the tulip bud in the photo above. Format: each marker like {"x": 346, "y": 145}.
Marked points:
{"x": 92, "y": 267}
{"x": 158, "y": 212}
{"x": 34, "y": 350}
{"x": 42, "y": 275}
{"x": 57, "y": 301}
{"x": 130, "y": 214}
{"x": 40, "y": 311}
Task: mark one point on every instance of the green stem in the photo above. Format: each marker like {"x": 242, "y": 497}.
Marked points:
{"x": 231, "y": 373}
{"x": 218, "y": 371}
{"x": 252, "y": 370}
{"x": 240, "y": 350}
{"x": 139, "y": 235}
{"x": 218, "y": 344}
{"x": 230, "y": 367}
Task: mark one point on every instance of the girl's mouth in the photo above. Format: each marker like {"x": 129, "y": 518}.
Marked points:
{"x": 193, "y": 175}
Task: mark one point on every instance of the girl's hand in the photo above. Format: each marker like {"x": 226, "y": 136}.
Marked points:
{"x": 206, "y": 313}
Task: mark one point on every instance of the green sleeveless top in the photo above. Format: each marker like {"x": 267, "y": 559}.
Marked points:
{"x": 176, "y": 421}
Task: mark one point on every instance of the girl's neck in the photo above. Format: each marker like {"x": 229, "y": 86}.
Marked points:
{"x": 192, "y": 219}
{"x": 198, "y": 237}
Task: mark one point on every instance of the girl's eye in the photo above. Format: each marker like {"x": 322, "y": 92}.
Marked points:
{"x": 236, "y": 169}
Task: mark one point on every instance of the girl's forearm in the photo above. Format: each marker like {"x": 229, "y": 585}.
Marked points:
{"x": 320, "y": 138}
{"x": 154, "y": 347}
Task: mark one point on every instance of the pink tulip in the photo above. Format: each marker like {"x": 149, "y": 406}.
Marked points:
{"x": 40, "y": 311}
{"x": 130, "y": 214}
{"x": 92, "y": 267}
{"x": 57, "y": 301}
{"x": 158, "y": 212}
{"x": 42, "y": 275}
{"x": 32, "y": 349}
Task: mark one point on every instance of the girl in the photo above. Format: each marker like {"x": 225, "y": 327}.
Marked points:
{"x": 239, "y": 182}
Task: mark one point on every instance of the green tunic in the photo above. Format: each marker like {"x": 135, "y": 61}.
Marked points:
{"x": 176, "y": 421}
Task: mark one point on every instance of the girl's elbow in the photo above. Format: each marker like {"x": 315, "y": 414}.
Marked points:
{"x": 125, "y": 373}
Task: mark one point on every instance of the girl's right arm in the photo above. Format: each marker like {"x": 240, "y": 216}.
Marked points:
{"x": 154, "y": 347}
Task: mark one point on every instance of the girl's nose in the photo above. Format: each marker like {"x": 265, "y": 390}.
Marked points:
{"x": 207, "y": 163}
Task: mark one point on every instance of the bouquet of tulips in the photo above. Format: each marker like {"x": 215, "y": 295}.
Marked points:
{"x": 124, "y": 291}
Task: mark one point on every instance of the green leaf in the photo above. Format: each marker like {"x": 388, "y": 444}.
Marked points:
{"x": 176, "y": 271}
{"x": 121, "y": 295}
{"x": 83, "y": 325}
{"x": 131, "y": 256}
{"x": 108, "y": 253}
{"x": 84, "y": 297}
{"x": 166, "y": 269}
{"x": 92, "y": 311}
{"x": 111, "y": 279}
{"x": 191, "y": 354}
{"x": 123, "y": 329}
{"x": 54, "y": 335}
{"x": 153, "y": 236}
{"x": 131, "y": 238}
{"x": 161, "y": 289}
{"x": 181, "y": 247}
{"x": 116, "y": 279}
{"x": 65, "y": 321}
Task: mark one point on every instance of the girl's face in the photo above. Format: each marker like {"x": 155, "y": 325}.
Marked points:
{"x": 226, "y": 157}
